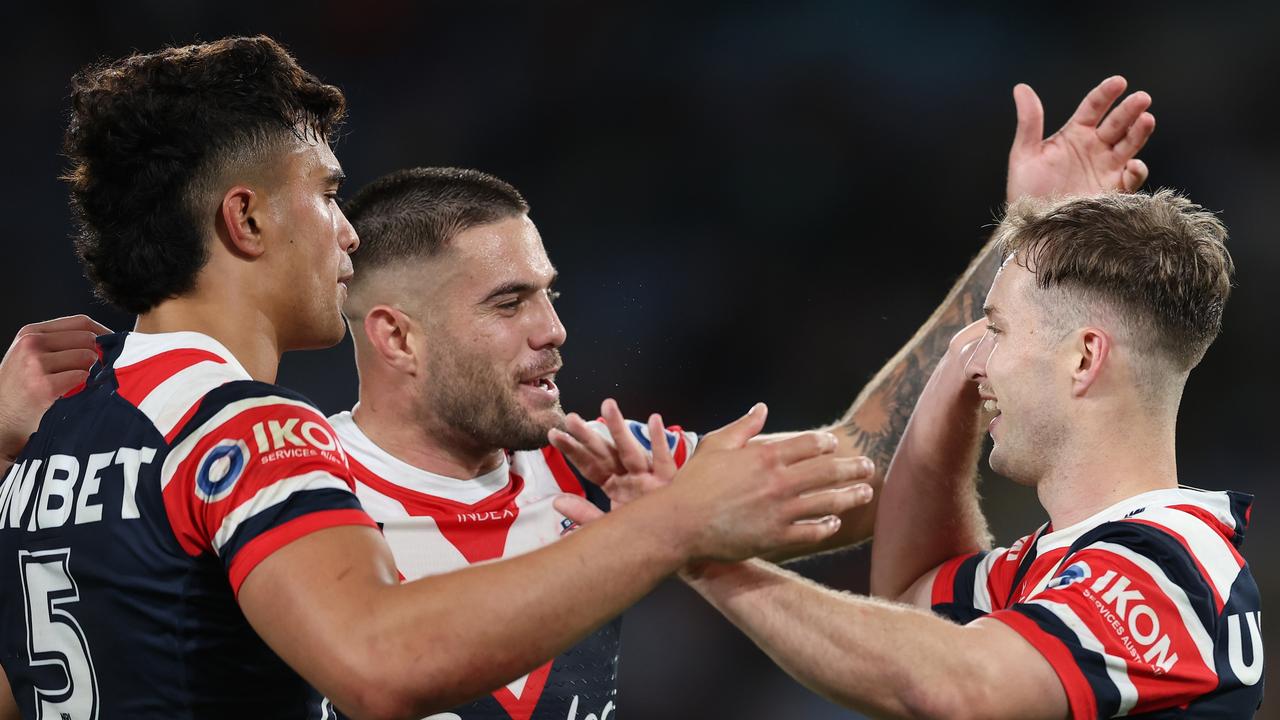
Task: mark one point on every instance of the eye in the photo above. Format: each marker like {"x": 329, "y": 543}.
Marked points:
{"x": 553, "y": 295}
{"x": 993, "y": 329}
{"x": 512, "y": 304}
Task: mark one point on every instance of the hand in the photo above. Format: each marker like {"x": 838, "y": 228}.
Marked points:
{"x": 618, "y": 464}
{"x": 1094, "y": 152}
{"x": 45, "y": 361}
{"x": 736, "y": 500}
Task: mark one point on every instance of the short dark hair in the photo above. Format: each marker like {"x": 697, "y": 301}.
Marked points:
{"x": 149, "y": 136}
{"x": 1158, "y": 259}
{"x": 414, "y": 213}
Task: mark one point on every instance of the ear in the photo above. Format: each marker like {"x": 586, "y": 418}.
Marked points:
{"x": 388, "y": 330}
{"x": 1093, "y": 347}
{"x": 238, "y": 213}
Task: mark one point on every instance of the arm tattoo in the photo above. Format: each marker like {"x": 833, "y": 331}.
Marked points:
{"x": 879, "y": 415}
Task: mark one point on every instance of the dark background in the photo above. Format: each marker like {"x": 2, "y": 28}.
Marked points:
{"x": 746, "y": 201}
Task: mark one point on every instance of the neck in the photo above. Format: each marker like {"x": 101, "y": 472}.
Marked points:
{"x": 244, "y": 330}
{"x": 416, "y": 443}
{"x": 1104, "y": 467}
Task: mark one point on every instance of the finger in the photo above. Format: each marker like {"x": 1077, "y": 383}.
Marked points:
{"x": 56, "y": 362}
{"x": 664, "y": 465}
{"x": 1116, "y": 125}
{"x": 1095, "y": 104}
{"x": 1135, "y": 175}
{"x": 810, "y": 532}
{"x": 1030, "y": 118}
{"x": 803, "y": 446}
{"x": 66, "y": 340}
{"x": 737, "y": 433}
{"x": 969, "y": 334}
{"x": 830, "y": 502}
{"x": 577, "y": 454}
{"x": 630, "y": 453}
{"x": 605, "y": 454}
{"x": 827, "y": 472}
{"x": 578, "y": 509}
{"x": 70, "y": 322}
{"x": 1139, "y": 132}
{"x": 62, "y": 383}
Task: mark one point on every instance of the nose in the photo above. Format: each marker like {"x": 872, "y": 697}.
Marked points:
{"x": 549, "y": 332}
{"x": 348, "y": 240}
{"x": 976, "y": 368}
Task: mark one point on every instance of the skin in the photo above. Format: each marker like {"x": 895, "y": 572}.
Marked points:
{"x": 331, "y": 603}
{"x": 375, "y": 668}
{"x": 276, "y": 278}
{"x": 1094, "y": 151}
{"x": 453, "y": 346}
{"x": 45, "y": 360}
{"x": 901, "y": 662}
{"x": 890, "y": 660}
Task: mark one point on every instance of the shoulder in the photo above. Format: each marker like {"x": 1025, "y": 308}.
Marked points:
{"x": 167, "y": 377}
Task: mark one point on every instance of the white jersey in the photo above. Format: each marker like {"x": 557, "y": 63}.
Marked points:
{"x": 435, "y": 524}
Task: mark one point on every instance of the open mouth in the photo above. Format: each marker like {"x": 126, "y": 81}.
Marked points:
{"x": 544, "y": 385}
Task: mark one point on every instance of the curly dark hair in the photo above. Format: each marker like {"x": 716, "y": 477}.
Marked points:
{"x": 152, "y": 135}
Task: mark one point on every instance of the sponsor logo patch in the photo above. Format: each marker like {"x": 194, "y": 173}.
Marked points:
{"x": 220, "y": 468}
{"x": 1073, "y": 573}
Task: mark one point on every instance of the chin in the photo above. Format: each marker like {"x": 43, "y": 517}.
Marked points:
{"x": 323, "y": 335}
{"x": 1006, "y": 467}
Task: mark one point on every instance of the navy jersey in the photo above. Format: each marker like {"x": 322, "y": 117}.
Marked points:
{"x": 435, "y": 524}
{"x": 1146, "y": 609}
{"x": 132, "y": 517}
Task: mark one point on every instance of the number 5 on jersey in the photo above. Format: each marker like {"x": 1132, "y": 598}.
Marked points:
{"x": 54, "y": 638}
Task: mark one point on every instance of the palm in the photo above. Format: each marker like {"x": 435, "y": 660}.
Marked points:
{"x": 1094, "y": 152}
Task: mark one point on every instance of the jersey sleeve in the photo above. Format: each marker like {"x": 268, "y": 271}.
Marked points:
{"x": 681, "y": 442}
{"x": 1127, "y": 623}
{"x": 254, "y": 470}
{"x": 970, "y": 586}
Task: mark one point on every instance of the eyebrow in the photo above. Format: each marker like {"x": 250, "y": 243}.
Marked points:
{"x": 518, "y": 288}
{"x": 990, "y": 310}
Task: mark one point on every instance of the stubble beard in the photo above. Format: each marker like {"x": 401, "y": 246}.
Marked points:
{"x": 479, "y": 407}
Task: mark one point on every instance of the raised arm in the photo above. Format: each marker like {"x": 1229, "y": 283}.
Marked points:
{"x": 928, "y": 509}
{"x": 331, "y": 605}
{"x": 1095, "y": 151}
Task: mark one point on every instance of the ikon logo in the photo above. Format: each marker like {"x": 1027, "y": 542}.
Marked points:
{"x": 1142, "y": 623}
{"x": 275, "y": 435}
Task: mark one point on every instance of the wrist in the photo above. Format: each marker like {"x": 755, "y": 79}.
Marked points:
{"x": 676, "y": 535}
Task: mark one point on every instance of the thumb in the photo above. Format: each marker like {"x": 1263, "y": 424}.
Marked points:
{"x": 1030, "y": 130}
{"x": 737, "y": 433}
{"x": 577, "y": 508}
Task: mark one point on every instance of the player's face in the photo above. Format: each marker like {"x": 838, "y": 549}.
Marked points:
{"x": 494, "y": 337}
{"x": 1014, "y": 366}
{"x": 313, "y": 243}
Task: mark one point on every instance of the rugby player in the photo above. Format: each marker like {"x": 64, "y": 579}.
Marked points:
{"x": 1133, "y": 600}
{"x": 457, "y": 346}
{"x": 181, "y": 535}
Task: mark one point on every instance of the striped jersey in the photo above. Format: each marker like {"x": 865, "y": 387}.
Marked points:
{"x": 1146, "y": 609}
{"x": 435, "y": 524}
{"x": 132, "y": 517}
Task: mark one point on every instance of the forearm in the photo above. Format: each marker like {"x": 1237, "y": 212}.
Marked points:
{"x": 928, "y": 507}
{"x": 874, "y": 423}
{"x": 495, "y": 622}
{"x": 382, "y": 649}
{"x": 876, "y": 657}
